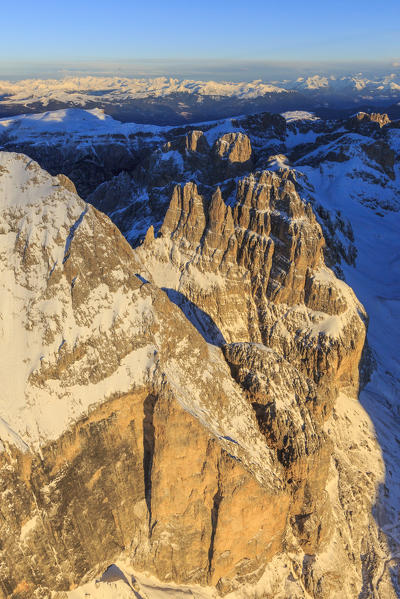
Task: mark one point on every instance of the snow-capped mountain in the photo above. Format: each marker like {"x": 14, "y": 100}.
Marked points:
{"x": 188, "y": 405}
{"x": 167, "y": 100}
{"x": 81, "y": 89}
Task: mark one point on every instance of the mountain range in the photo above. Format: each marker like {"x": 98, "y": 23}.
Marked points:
{"x": 172, "y": 101}
{"x": 199, "y": 335}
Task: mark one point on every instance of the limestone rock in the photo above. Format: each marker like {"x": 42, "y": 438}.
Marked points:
{"x": 383, "y": 155}
{"x": 363, "y": 120}
{"x": 234, "y": 147}
{"x": 117, "y": 371}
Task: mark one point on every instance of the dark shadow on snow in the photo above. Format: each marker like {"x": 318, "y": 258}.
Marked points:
{"x": 115, "y": 574}
{"x": 379, "y": 412}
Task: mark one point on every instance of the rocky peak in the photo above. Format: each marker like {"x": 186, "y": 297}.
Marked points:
{"x": 185, "y": 217}
{"x": 234, "y": 147}
{"x": 283, "y": 234}
{"x": 193, "y": 141}
{"x": 270, "y": 231}
{"x": 220, "y": 233}
{"x": 374, "y": 117}
{"x": 196, "y": 141}
{"x": 367, "y": 122}
{"x": 291, "y": 333}
{"x": 260, "y": 257}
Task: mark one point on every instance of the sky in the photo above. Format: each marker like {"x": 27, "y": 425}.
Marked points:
{"x": 111, "y": 32}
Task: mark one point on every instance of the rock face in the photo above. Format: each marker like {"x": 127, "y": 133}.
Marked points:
{"x": 89, "y": 166}
{"x": 383, "y": 155}
{"x": 291, "y": 333}
{"x": 245, "y": 266}
{"x": 234, "y": 147}
{"x": 189, "y": 405}
{"x": 82, "y": 410}
{"x": 364, "y": 121}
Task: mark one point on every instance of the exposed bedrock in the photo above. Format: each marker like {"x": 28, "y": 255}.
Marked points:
{"x": 177, "y": 403}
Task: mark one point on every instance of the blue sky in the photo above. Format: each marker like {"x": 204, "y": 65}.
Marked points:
{"x": 98, "y": 30}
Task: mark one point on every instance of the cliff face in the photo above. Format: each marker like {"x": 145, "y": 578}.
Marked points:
{"x": 291, "y": 332}
{"x": 149, "y": 448}
{"x": 257, "y": 270}
{"x": 190, "y": 404}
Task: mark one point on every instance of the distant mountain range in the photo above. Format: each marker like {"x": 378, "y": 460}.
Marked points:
{"x": 171, "y": 101}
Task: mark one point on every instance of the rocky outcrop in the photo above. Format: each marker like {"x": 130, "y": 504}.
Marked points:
{"x": 246, "y": 266}
{"x": 383, "y": 155}
{"x": 364, "y": 121}
{"x": 193, "y": 141}
{"x": 231, "y": 156}
{"x": 282, "y": 399}
{"x": 234, "y": 147}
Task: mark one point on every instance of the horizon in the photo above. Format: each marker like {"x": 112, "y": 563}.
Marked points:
{"x": 198, "y": 69}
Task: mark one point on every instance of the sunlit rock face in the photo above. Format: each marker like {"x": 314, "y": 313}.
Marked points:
{"x": 188, "y": 406}
{"x": 368, "y": 122}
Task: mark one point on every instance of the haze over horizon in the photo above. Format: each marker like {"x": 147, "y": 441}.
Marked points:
{"x": 217, "y": 70}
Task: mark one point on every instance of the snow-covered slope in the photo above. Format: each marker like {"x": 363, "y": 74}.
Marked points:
{"x": 39, "y": 325}
{"x": 371, "y": 203}
{"x": 75, "y": 320}
{"x": 70, "y": 123}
